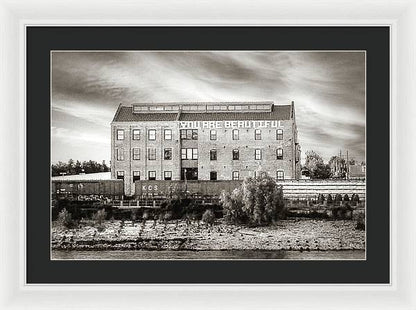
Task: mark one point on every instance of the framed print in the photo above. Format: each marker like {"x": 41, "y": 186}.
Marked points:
{"x": 246, "y": 163}
{"x": 212, "y": 184}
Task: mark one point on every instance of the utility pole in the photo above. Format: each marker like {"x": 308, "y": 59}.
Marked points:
{"x": 186, "y": 183}
{"x": 348, "y": 167}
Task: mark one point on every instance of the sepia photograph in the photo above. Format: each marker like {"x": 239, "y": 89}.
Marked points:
{"x": 208, "y": 155}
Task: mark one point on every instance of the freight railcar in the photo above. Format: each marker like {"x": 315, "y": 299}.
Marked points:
{"x": 87, "y": 189}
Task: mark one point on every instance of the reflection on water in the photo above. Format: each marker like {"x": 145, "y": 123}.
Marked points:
{"x": 207, "y": 255}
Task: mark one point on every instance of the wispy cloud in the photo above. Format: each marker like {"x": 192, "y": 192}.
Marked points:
{"x": 78, "y": 136}
{"x": 328, "y": 89}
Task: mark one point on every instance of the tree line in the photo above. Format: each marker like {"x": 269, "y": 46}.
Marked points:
{"x": 337, "y": 166}
{"x": 72, "y": 167}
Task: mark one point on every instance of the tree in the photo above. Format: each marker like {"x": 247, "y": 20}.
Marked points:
{"x": 312, "y": 160}
{"x": 321, "y": 171}
{"x": 77, "y": 167}
{"x": 71, "y": 166}
{"x": 257, "y": 201}
{"x": 338, "y": 166}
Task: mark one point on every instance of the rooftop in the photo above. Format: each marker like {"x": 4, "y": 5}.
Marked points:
{"x": 202, "y": 111}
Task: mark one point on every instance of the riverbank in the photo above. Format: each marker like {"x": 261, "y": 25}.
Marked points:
{"x": 291, "y": 234}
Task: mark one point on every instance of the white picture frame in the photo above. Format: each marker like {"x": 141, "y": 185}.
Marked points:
{"x": 399, "y": 16}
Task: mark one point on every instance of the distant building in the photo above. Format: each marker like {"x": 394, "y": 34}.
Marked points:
{"x": 357, "y": 171}
{"x": 203, "y": 141}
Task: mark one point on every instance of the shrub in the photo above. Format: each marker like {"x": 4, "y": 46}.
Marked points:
{"x": 208, "y": 217}
{"x": 338, "y": 198}
{"x": 321, "y": 199}
{"x": 133, "y": 215}
{"x": 355, "y": 198}
{"x": 257, "y": 201}
{"x": 329, "y": 199}
{"x": 346, "y": 198}
{"x": 99, "y": 217}
{"x": 65, "y": 218}
{"x": 145, "y": 216}
{"x": 360, "y": 221}
{"x": 167, "y": 216}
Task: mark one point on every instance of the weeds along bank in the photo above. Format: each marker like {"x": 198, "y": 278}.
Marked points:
{"x": 289, "y": 234}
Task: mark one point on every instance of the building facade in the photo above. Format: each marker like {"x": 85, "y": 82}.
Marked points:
{"x": 204, "y": 141}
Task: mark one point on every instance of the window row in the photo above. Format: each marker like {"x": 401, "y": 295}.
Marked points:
{"x": 167, "y": 175}
{"x": 191, "y": 134}
{"x": 190, "y": 153}
{"x": 235, "y": 176}
{"x": 151, "y": 175}
{"x": 151, "y": 134}
{"x": 151, "y": 154}
{"x": 258, "y": 154}
{"x": 236, "y": 134}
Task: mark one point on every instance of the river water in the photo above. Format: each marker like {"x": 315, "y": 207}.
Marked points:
{"x": 207, "y": 255}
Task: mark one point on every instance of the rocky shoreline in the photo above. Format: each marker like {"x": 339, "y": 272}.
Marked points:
{"x": 292, "y": 234}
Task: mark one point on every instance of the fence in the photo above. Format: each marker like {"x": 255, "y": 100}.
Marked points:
{"x": 310, "y": 189}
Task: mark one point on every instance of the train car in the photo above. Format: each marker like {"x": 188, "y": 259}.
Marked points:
{"x": 196, "y": 188}
{"x": 87, "y": 189}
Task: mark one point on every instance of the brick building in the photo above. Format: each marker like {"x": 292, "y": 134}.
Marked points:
{"x": 204, "y": 141}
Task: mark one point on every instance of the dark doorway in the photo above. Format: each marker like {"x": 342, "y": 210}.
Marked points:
{"x": 190, "y": 173}
{"x": 213, "y": 175}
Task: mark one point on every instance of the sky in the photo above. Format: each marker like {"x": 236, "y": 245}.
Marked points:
{"x": 328, "y": 89}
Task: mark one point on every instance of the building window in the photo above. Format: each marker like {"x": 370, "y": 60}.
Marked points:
{"x": 136, "y": 176}
{"x": 213, "y": 175}
{"x": 257, "y": 154}
{"x": 120, "y": 175}
{"x": 151, "y": 134}
{"x": 189, "y": 134}
{"x": 120, "y": 154}
{"x": 280, "y": 175}
{"x": 120, "y": 134}
{"x": 236, "y": 154}
{"x": 236, "y": 134}
{"x": 213, "y": 134}
{"x": 189, "y": 153}
{"x": 167, "y": 154}
{"x": 279, "y": 154}
{"x": 257, "y": 134}
{"x": 213, "y": 154}
{"x": 151, "y": 153}
{"x": 194, "y": 153}
{"x": 136, "y": 153}
{"x": 136, "y": 134}
{"x": 152, "y": 175}
{"x": 168, "y": 134}
{"x": 279, "y": 134}
{"x": 168, "y": 175}
{"x": 236, "y": 175}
